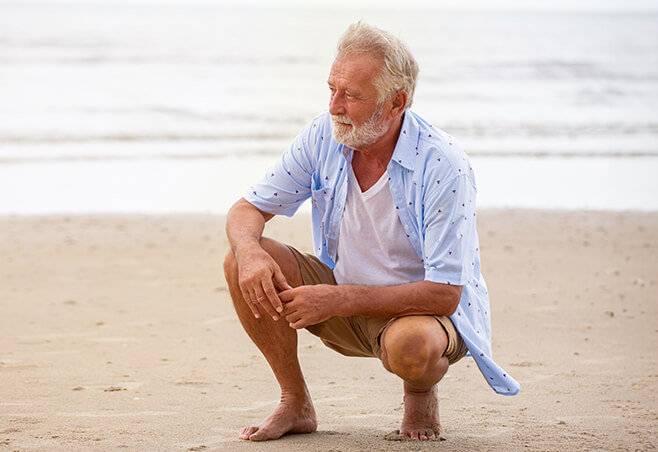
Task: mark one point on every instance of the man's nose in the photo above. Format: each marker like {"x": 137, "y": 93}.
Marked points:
{"x": 337, "y": 104}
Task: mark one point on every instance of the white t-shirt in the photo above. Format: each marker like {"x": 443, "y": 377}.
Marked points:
{"x": 373, "y": 248}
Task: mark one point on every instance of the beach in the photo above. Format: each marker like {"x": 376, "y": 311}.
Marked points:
{"x": 128, "y": 129}
{"x": 117, "y": 333}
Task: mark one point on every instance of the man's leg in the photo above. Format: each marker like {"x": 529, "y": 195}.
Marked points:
{"x": 413, "y": 348}
{"x": 278, "y": 343}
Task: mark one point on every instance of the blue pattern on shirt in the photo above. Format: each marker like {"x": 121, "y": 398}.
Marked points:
{"x": 433, "y": 189}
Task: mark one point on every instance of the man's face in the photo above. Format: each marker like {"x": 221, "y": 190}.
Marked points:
{"x": 358, "y": 120}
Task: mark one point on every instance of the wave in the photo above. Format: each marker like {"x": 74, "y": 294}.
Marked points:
{"x": 231, "y": 61}
{"x": 272, "y": 155}
{"x": 284, "y": 128}
{"x": 149, "y": 138}
{"x": 548, "y": 69}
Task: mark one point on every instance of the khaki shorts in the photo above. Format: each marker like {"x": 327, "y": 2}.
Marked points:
{"x": 359, "y": 335}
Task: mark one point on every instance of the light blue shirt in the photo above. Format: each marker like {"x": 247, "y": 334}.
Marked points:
{"x": 433, "y": 189}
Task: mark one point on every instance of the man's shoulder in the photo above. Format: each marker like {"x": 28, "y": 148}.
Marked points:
{"x": 439, "y": 152}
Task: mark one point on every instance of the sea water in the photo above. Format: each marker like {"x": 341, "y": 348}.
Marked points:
{"x": 161, "y": 108}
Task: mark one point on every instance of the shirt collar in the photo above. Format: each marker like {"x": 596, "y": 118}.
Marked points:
{"x": 406, "y": 148}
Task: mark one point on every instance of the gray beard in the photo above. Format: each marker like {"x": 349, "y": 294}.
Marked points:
{"x": 358, "y": 137}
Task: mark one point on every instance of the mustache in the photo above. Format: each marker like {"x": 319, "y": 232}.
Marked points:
{"x": 342, "y": 119}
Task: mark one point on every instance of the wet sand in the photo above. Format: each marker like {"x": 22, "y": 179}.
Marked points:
{"x": 117, "y": 333}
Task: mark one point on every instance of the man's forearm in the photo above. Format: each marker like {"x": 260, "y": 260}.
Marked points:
{"x": 244, "y": 225}
{"x": 259, "y": 275}
{"x": 418, "y": 298}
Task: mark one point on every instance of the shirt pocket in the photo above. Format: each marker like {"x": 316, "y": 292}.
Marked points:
{"x": 322, "y": 199}
{"x": 322, "y": 196}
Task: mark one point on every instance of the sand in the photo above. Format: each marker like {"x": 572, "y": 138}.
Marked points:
{"x": 117, "y": 333}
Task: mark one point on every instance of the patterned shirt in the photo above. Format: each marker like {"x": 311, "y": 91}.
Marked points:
{"x": 433, "y": 189}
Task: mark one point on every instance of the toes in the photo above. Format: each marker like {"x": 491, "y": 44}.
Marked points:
{"x": 246, "y": 432}
{"x": 438, "y": 434}
{"x": 409, "y": 435}
{"x": 427, "y": 435}
{"x": 258, "y": 436}
{"x": 262, "y": 434}
{"x": 415, "y": 435}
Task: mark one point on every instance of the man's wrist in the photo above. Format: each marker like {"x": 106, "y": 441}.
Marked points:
{"x": 343, "y": 303}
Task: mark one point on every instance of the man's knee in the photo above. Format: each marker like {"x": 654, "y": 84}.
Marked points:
{"x": 412, "y": 346}
{"x": 230, "y": 267}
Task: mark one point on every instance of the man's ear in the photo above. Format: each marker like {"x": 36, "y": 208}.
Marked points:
{"x": 399, "y": 103}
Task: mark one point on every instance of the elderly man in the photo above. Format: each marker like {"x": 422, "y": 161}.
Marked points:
{"x": 396, "y": 271}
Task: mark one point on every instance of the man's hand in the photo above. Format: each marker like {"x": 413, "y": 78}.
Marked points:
{"x": 309, "y": 305}
{"x": 260, "y": 281}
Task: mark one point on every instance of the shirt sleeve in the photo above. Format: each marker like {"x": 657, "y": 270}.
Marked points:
{"x": 287, "y": 183}
{"x": 449, "y": 232}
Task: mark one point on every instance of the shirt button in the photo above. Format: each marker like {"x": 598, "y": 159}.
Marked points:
{"x": 395, "y": 190}
{"x": 406, "y": 226}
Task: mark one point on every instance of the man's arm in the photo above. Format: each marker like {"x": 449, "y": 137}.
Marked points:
{"x": 308, "y": 305}
{"x": 258, "y": 271}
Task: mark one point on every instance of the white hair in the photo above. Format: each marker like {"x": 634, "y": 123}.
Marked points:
{"x": 399, "y": 68}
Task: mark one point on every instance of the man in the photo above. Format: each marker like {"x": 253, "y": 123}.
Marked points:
{"x": 397, "y": 270}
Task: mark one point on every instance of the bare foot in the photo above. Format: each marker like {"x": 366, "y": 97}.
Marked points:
{"x": 287, "y": 417}
{"x": 421, "y": 415}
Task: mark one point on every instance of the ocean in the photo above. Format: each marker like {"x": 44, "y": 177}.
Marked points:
{"x": 156, "y": 108}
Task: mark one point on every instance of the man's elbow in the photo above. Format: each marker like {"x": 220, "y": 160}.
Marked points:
{"x": 241, "y": 204}
{"x": 446, "y": 297}
{"x": 453, "y": 297}
{"x": 243, "y": 207}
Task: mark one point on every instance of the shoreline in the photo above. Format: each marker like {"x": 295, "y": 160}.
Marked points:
{"x": 164, "y": 186}
{"x": 118, "y": 332}
{"x": 302, "y": 213}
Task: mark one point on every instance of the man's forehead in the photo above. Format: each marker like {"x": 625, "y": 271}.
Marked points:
{"x": 355, "y": 68}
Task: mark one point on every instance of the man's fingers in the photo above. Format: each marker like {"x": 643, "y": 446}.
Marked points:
{"x": 254, "y": 310}
{"x": 272, "y": 296}
{"x": 265, "y": 304}
{"x": 251, "y": 303}
{"x": 286, "y": 296}
{"x": 293, "y": 316}
{"x": 259, "y": 289}
{"x": 298, "y": 325}
{"x": 255, "y": 296}
{"x": 266, "y": 300}
{"x": 280, "y": 280}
